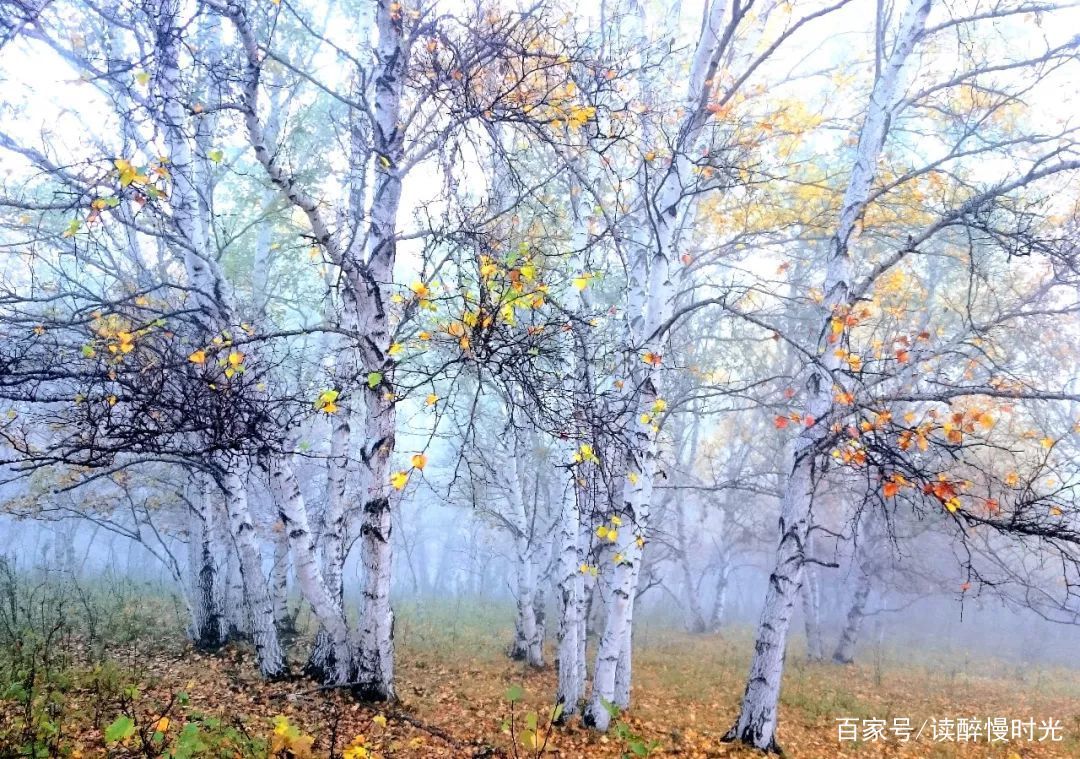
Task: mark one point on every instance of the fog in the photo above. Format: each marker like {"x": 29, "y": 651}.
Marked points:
{"x": 507, "y": 378}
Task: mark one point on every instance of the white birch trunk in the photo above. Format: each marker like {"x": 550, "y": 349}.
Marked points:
{"x": 849, "y": 636}
{"x": 865, "y": 567}
{"x": 571, "y": 648}
{"x": 723, "y": 573}
{"x": 572, "y": 533}
{"x": 260, "y": 606}
{"x": 208, "y": 628}
{"x": 696, "y": 623}
{"x": 332, "y": 538}
{"x": 324, "y": 606}
{"x": 624, "y": 668}
{"x": 375, "y": 648}
{"x": 279, "y": 579}
{"x": 649, "y": 305}
{"x": 756, "y": 724}
{"x": 184, "y": 197}
{"x": 637, "y": 494}
{"x": 528, "y": 641}
{"x": 811, "y": 599}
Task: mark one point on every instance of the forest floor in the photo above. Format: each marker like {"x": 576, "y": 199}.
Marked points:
{"x": 453, "y": 683}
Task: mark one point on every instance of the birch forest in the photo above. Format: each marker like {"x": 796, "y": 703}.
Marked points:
{"x": 525, "y": 378}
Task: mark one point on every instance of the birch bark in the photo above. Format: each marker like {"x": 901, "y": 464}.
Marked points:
{"x": 293, "y": 513}
{"x": 260, "y": 605}
{"x": 212, "y": 298}
{"x": 649, "y": 304}
{"x": 375, "y": 648}
{"x": 756, "y": 724}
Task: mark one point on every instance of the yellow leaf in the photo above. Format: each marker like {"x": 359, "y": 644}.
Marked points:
{"x": 419, "y": 461}
{"x": 602, "y": 531}
{"x": 633, "y": 477}
{"x": 379, "y": 720}
{"x": 327, "y": 396}
{"x": 431, "y": 400}
{"x": 399, "y": 480}
{"x": 236, "y": 358}
{"x": 396, "y": 349}
{"x": 162, "y": 725}
{"x": 586, "y": 453}
{"x": 198, "y": 357}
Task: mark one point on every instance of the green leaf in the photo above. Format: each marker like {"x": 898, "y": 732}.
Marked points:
{"x": 373, "y": 379}
{"x": 530, "y": 721}
{"x": 121, "y": 728}
{"x": 557, "y": 712}
{"x": 514, "y": 693}
{"x": 215, "y": 155}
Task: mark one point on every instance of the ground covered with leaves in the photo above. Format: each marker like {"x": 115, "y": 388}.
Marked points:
{"x": 460, "y": 696}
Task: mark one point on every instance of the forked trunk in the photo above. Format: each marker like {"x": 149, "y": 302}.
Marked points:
{"x": 260, "y": 606}
{"x": 324, "y": 606}
{"x": 756, "y": 724}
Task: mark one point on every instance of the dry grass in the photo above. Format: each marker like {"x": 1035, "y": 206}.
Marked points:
{"x": 453, "y": 678}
